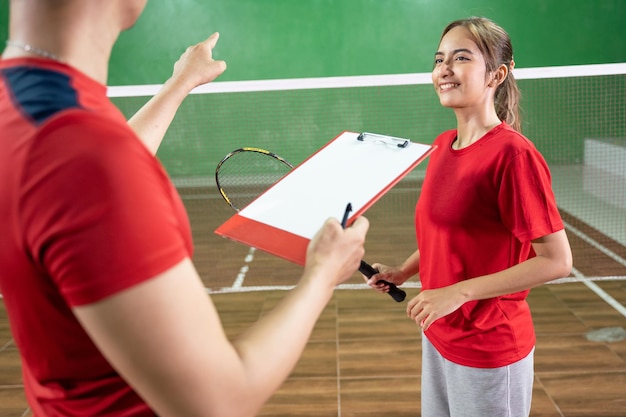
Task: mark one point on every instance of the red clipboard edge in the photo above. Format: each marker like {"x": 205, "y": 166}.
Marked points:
{"x": 276, "y": 241}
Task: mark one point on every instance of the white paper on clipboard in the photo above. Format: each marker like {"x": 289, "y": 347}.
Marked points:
{"x": 352, "y": 168}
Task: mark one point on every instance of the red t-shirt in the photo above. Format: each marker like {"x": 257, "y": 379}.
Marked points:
{"x": 478, "y": 211}
{"x": 85, "y": 212}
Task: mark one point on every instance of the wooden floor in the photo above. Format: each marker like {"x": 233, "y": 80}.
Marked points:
{"x": 364, "y": 358}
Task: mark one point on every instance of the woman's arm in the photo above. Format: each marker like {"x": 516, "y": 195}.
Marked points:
{"x": 553, "y": 260}
{"x": 195, "y": 67}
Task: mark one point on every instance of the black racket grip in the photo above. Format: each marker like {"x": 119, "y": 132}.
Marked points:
{"x": 395, "y": 292}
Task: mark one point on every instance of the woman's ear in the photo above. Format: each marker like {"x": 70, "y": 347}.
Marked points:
{"x": 499, "y": 75}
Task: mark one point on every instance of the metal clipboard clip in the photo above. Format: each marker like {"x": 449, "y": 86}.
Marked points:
{"x": 387, "y": 140}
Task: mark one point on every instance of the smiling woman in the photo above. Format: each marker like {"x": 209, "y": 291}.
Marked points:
{"x": 488, "y": 229}
{"x": 466, "y": 60}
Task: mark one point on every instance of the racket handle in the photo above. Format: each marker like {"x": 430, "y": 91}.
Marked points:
{"x": 395, "y": 292}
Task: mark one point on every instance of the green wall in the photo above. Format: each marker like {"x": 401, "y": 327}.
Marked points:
{"x": 275, "y": 39}
{"x": 278, "y": 39}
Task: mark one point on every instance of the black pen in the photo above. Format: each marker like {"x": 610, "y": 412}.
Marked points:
{"x": 369, "y": 271}
{"x": 345, "y": 215}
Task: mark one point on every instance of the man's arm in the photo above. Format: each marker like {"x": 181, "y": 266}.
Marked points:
{"x": 165, "y": 338}
{"x": 195, "y": 67}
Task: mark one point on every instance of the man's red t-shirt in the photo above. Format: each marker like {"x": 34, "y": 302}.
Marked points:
{"x": 478, "y": 211}
{"x": 85, "y": 212}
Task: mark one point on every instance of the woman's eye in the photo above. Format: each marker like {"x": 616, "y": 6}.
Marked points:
{"x": 438, "y": 60}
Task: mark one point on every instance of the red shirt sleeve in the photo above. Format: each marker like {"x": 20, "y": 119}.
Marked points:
{"x": 99, "y": 211}
{"x": 527, "y": 203}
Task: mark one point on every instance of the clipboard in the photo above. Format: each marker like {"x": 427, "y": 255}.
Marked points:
{"x": 356, "y": 168}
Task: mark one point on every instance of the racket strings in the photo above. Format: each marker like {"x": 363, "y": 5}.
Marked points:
{"x": 243, "y": 176}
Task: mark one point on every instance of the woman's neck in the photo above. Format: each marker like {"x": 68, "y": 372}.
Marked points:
{"x": 470, "y": 128}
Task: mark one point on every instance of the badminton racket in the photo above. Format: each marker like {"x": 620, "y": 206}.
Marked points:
{"x": 246, "y": 173}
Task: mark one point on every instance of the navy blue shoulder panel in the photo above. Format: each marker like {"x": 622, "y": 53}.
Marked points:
{"x": 40, "y": 93}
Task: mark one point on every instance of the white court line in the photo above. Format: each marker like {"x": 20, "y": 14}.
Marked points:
{"x": 578, "y": 277}
{"x": 596, "y": 245}
{"x": 601, "y": 293}
{"x": 244, "y": 269}
{"x": 412, "y": 284}
{"x": 6, "y": 345}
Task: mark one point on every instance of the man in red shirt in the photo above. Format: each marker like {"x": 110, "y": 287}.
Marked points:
{"x": 107, "y": 310}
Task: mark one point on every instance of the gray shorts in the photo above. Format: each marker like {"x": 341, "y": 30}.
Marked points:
{"x": 452, "y": 390}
